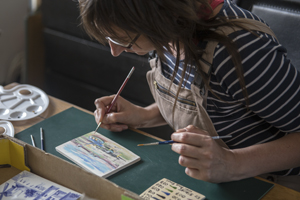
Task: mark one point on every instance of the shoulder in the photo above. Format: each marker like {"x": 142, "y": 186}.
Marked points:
{"x": 232, "y": 11}
{"x": 264, "y": 63}
{"x": 245, "y": 41}
{"x": 251, "y": 47}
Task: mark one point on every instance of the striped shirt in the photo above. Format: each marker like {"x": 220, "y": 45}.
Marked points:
{"x": 272, "y": 84}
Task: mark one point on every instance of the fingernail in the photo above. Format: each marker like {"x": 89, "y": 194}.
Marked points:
{"x": 173, "y": 135}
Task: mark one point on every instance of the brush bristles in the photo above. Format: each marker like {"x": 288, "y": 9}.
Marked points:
{"x": 149, "y": 144}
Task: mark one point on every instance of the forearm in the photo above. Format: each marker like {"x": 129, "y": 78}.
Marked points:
{"x": 273, "y": 156}
{"x": 152, "y": 117}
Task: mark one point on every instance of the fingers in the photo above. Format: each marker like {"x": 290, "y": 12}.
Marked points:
{"x": 188, "y": 162}
{"x": 198, "y": 174}
{"x": 191, "y": 151}
{"x": 97, "y": 115}
{"x": 191, "y": 135}
{"x": 103, "y": 102}
{"x": 110, "y": 121}
{"x": 186, "y": 150}
{"x": 194, "y": 173}
{"x": 192, "y": 128}
{"x": 115, "y": 127}
{"x": 195, "y": 169}
{"x": 189, "y": 128}
{"x": 203, "y": 158}
{"x": 194, "y": 147}
{"x": 101, "y": 107}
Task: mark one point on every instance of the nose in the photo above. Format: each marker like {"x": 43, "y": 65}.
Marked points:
{"x": 115, "y": 49}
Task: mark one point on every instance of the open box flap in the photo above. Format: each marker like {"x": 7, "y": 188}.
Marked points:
{"x": 70, "y": 175}
{"x": 13, "y": 152}
{"x": 22, "y": 156}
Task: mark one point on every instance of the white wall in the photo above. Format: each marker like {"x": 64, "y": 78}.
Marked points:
{"x": 12, "y": 40}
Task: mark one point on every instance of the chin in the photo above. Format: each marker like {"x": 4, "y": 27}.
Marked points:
{"x": 141, "y": 53}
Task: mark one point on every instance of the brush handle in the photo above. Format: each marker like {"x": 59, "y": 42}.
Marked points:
{"x": 120, "y": 90}
{"x": 171, "y": 141}
{"x": 166, "y": 142}
{"x": 117, "y": 95}
{"x": 214, "y": 138}
{"x": 42, "y": 139}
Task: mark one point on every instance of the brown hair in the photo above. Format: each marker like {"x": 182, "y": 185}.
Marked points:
{"x": 162, "y": 22}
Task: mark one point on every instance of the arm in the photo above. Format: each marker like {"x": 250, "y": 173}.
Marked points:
{"x": 152, "y": 117}
{"x": 273, "y": 156}
{"x": 273, "y": 89}
{"x": 204, "y": 159}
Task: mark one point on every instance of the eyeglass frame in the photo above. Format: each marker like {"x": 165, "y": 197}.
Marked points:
{"x": 129, "y": 45}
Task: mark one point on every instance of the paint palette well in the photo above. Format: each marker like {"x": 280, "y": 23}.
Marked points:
{"x": 6, "y": 128}
{"x": 22, "y": 102}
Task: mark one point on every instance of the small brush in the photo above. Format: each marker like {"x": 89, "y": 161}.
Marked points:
{"x": 171, "y": 141}
{"x": 117, "y": 95}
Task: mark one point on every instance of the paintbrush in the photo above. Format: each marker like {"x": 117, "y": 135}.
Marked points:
{"x": 171, "y": 141}
{"x": 117, "y": 95}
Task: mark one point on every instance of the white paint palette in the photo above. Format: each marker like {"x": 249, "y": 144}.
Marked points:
{"x": 6, "y": 128}
{"x": 22, "y": 102}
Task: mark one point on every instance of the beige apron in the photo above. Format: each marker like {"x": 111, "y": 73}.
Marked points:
{"x": 190, "y": 107}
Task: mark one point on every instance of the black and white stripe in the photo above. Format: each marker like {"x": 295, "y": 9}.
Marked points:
{"x": 272, "y": 84}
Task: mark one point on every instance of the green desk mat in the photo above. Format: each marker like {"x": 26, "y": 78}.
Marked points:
{"x": 157, "y": 162}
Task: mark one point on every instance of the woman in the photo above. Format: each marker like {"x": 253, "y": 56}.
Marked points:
{"x": 218, "y": 70}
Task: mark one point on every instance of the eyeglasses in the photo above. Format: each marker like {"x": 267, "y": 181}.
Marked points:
{"x": 126, "y": 45}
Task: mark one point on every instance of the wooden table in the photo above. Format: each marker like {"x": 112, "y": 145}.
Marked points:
{"x": 278, "y": 192}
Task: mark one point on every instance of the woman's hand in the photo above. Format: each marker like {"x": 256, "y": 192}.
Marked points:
{"x": 122, "y": 115}
{"x": 203, "y": 158}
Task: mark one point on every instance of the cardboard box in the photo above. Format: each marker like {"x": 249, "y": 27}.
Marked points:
{"x": 22, "y": 156}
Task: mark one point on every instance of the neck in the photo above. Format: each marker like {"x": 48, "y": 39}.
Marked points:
{"x": 174, "y": 52}
{"x": 216, "y": 10}
{"x": 213, "y": 14}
